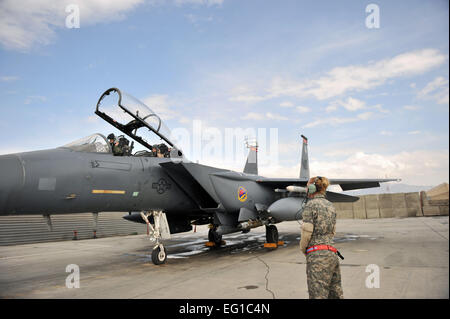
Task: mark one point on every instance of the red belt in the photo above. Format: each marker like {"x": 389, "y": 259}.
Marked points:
{"x": 321, "y": 247}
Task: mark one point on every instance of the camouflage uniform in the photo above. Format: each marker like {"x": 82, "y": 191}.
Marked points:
{"x": 322, "y": 266}
{"x": 117, "y": 150}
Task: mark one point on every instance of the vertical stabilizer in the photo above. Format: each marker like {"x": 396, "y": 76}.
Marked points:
{"x": 304, "y": 165}
{"x": 251, "y": 166}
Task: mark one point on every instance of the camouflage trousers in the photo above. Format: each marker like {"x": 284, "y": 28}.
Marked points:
{"x": 323, "y": 275}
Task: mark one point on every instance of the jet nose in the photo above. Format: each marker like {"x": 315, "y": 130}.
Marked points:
{"x": 12, "y": 179}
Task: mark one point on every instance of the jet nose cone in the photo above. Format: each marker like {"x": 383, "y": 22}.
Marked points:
{"x": 11, "y": 181}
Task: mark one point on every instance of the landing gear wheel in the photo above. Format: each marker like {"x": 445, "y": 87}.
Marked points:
{"x": 272, "y": 234}
{"x": 214, "y": 237}
{"x": 159, "y": 255}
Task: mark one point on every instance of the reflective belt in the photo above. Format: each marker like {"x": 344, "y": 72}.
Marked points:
{"x": 324, "y": 247}
{"x": 321, "y": 247}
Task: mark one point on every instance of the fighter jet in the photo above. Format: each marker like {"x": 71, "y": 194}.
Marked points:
{"x": 162, "y": 189}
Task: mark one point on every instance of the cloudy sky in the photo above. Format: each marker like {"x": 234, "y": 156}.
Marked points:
{"x": 374, "y": 102}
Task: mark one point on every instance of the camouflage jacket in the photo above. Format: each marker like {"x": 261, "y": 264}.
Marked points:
{"x": 117, "y": 150}
{"x": 321, "y": 213}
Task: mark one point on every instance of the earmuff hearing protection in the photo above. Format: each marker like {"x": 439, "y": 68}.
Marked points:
{"x": 312, "y": 188}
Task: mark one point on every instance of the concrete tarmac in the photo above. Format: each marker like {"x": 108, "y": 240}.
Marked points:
{"x": 411, "y": 254}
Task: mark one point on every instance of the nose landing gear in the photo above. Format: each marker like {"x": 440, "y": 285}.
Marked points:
{"x": 157, "y": 232}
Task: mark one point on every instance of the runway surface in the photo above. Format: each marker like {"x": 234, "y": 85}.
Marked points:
{"x": 411, "y": 254}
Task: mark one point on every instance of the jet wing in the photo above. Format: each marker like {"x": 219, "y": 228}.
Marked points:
{"x": 346, "y": 184}
{"x": 349, "y": 184}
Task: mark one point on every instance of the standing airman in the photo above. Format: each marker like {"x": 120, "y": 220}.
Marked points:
{"x": 318, "y": 229}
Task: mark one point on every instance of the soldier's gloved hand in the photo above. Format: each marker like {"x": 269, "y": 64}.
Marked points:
{"x": 307, "y": 230}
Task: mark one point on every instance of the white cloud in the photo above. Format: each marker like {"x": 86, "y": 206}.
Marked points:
{"x": 8, "y": 78}
{"x": 303, "y": 109}
{"x": 433, "y": 85}
{"x": 253, "y": 116}
{"x": 411, "y": 107}
{"x": 437, "y": 90}
{"x": 277, "y": 117}
{"x": 161, "y": 105}
{"x": 421, "y": 167}
{"x": 26, "y": 23}
{"x": 356, "y": 78}
{"x": 414, "y": 132}
{"x": 266, "y": 116}
{"x": 334, "y": 121}
{"x": 386, "y": 133}
{"x": 247, "y": 98}
{"x": 352, "y": 104}
{"x": 197, "y": 20}
{"x": 35, "y": 98}
{"x": 417, "y": 167}
{"x": 380, "y": 108}
{"x": 365, "y": 116}
{"x": 199, "y": 2}
{"x": 332, "y": 107}
{"x": 286, "y": 104}
{"x": 353, "y": 78}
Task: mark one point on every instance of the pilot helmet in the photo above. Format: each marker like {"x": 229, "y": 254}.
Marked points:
{"x": 111, "y": 136}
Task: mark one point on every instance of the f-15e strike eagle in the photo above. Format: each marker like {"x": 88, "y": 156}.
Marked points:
{"x": 169, "y": 193}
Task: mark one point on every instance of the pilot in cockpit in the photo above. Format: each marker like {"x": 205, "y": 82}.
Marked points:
{"x": 115, "y": 147}
{"x": 154, "y": 151}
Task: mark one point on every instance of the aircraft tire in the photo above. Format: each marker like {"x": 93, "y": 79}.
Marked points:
{"x": 214, "y": 237}
{"x": 159, "y": 256}
{"x": 271, "y": 234}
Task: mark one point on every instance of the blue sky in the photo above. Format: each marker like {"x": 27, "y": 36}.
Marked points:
{"x": 373, "y": 102}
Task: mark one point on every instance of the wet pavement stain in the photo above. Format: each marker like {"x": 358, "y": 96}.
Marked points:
{"x": 249, "y": 287}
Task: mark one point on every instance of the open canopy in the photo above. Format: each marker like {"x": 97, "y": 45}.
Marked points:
{"x": 95, "y": 143}
{"x": 134, "y": 118}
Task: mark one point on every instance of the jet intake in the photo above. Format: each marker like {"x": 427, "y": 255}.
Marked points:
{"x": 286, "y": 209}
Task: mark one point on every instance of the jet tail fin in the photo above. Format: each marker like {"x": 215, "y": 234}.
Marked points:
{"x": 304, "y": 164}
{"x": 251, "y": 165}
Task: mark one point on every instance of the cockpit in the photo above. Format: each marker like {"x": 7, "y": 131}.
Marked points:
{"x": 135, "y": 120}
{"x": 95, "y": 143}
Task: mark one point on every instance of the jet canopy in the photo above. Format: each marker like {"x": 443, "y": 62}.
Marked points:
{"x": 95, "y": 143}
{"x": 135, "y": 119}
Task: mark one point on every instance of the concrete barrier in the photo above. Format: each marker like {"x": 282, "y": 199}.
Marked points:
{"x": 344, "y": 210}
{"x": 385, "y": 202}
{"x": 399, "y": 205}
{"x": 372, "y": 207}
{"x": 392, "y": 205}
{"x": 413, "y": 206}
{"x": 429, "y": 210}
{"x": 359, "y": 208}
{"x": 443, "y": 210}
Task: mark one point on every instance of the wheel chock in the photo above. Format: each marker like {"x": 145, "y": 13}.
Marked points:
{"x": 213, "y": 244}
{"x": 280, "y": 243}
{"x": 270, "y": 245}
